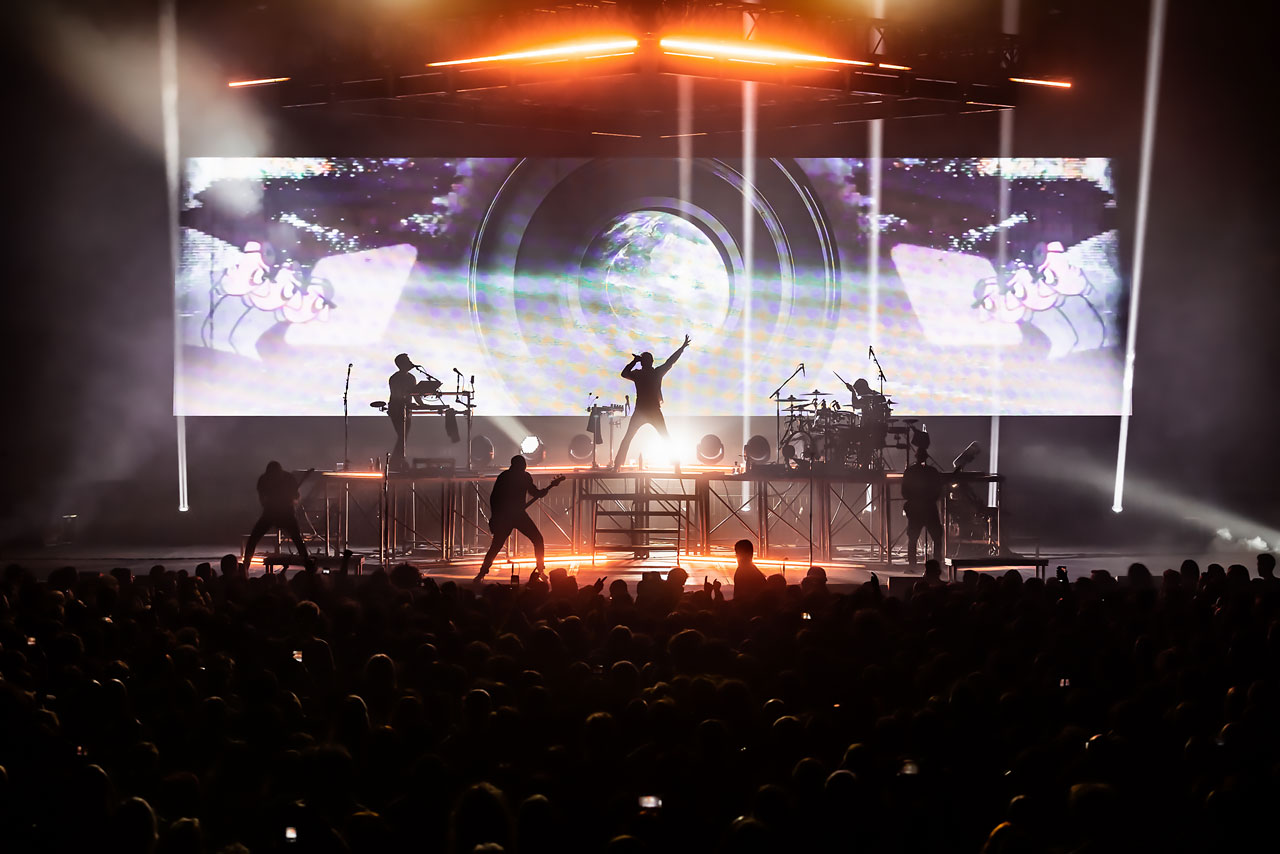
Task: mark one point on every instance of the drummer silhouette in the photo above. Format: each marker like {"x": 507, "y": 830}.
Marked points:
{"x": 873, "y": 425}
{"x": 401, "y": 385}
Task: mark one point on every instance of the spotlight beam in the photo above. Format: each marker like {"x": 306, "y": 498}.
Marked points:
{"x": 1155, "y": 42}
{"x": 168, "y": 26}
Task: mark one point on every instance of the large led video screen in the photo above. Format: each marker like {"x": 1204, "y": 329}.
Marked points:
{"x": 538, "y": 278}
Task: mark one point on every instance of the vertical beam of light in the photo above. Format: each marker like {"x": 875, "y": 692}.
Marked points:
{"x": 748, "y": 228}
{"x": 1150, "y": 99}
{"x": 1002, "y": 259}
{"x": 875, "y": 151}
{"x": 684, "y": 99}
{"x": 1009, "y": 24}
{"x": 748, "y": 242}
{"x": 875, "y": 147}
{"x": 168, "y": 31}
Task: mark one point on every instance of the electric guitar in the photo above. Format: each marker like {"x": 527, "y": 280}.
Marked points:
{"x": 555, "y": 481}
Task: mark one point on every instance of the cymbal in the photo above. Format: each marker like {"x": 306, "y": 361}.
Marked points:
{"x": 908, "y": 420}
{"x": 816, "y": 393}
{"x": 796, "y": 409}
{"x": 791, "y": 399}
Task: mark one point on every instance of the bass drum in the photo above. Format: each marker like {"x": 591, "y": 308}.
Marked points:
{"x": 799, "y": 446}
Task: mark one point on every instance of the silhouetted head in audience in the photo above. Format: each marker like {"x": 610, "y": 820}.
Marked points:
{"x": 1266, "y": 565}
{"x": 481, "y": 816}
{"x": 744, "y": 551}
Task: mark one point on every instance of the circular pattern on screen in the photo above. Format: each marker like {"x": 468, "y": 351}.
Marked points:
{"x": 651, "y": 263}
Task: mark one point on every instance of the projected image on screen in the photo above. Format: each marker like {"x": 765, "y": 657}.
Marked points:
{"x": 539, "y": 277}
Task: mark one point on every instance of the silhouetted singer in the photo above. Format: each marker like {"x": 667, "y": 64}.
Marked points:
{"x": 921, "y": 489}
{"x": 507, "y": 505}
{"x": 401, "y": 385}
{"x": 278, "y": 495}
{"x": 648, "y": 380}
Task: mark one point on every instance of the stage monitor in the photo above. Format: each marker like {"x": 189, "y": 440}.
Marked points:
{"x": 540, "y": 277}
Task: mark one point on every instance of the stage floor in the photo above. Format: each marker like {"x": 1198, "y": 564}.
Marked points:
{"x": 1079, "y": 562}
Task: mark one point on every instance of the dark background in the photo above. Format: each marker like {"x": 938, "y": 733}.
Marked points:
{"x": 88, "y": 328}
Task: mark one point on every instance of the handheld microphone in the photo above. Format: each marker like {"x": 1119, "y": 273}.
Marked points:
{"x": 473, "y": 379}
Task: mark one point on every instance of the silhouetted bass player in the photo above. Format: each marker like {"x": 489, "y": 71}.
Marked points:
{"x": 508, "y": 511}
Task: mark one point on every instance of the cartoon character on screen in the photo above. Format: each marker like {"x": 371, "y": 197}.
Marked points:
{"x": 283, "y": 293}
{"x": 1052, "y": 297}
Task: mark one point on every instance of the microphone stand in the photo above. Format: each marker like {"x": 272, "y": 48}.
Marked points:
{"x": 777, "y": 409}
{"x": 879, "y": 452}
{"x": 346, "y": 423}
{"x": 594, "y": 418}
{"x": 872, "y": 353}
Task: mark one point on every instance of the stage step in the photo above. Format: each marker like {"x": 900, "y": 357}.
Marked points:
{"x": 325, "y": 563}
{"x": 639, "y": 496}
{"x": 675, "y": 531}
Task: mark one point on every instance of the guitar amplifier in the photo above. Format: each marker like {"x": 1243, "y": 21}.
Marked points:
{"x": 434, "y": 466}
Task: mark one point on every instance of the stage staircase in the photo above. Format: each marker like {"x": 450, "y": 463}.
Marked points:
{"x": 645, "y": 517}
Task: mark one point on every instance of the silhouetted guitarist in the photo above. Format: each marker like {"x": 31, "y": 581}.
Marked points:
{"x": 278, "y": 495}
{"x": 648, "y": 380}
{"x": 508, "y": 509}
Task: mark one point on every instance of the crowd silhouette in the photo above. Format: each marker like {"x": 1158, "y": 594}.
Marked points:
{"x": 210, "y": 712}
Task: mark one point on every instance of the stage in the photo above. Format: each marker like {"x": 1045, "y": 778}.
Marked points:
{"x": 811, "y": 516}
{"x": 841, "y": 576}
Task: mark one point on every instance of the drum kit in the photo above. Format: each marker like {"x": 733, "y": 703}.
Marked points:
{"x": 815, "y": 432}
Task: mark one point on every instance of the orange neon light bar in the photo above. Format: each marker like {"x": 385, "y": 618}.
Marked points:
{"x": 585, "y": 49}
{"x": 261, "y": 81}
{"x": 1057, "y": 84}
{"x": 739, "y": 50}
{"x": 893, "y": 67}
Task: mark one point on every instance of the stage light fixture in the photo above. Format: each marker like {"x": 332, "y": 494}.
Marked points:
{"x": 757, "y": 449}
{"x": 710, "y": 449}
{"x": 261, "y": 81}
{"x": 533, "y": 449}
{"x": 736, "y": 50}
{"x": 481, "y": 451}
{"x": 1056, "y": 84}
{"x": 580, "y": 447}
{"x": 585, "y": 50}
